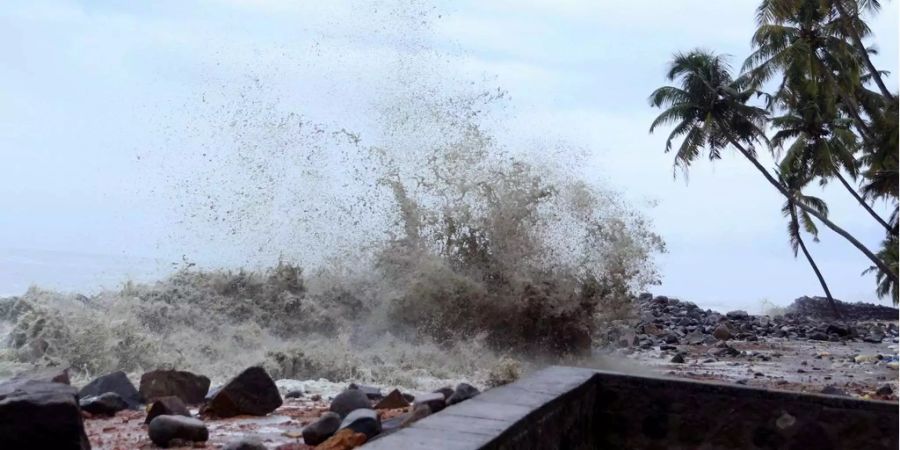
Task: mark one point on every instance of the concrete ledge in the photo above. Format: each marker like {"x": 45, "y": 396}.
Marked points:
{"x": 573, "y": 408}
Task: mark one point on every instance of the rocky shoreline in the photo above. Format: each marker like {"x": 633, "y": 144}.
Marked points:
{"x": 175, "y": 409}
{"x": 805, "y": 349}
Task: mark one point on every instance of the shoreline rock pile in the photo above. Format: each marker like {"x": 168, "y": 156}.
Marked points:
{"x": 40, "y": 410}
{"x": 666, "y": 322}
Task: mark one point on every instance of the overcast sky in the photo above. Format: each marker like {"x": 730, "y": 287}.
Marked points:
{"x": 102, "y": 102}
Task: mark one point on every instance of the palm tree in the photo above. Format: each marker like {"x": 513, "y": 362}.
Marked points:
{"x": 803, "y": 41}
{"x": 795, "y": 181}
{"x": 852, "y": 26}
{"x": 710, "y": 110}
{"x": 821, "y": 144}
{"x": 888, "y": 253}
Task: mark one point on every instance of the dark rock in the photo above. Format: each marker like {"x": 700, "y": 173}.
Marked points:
{"x": 671, "y": 339}
{"x": 363, "y": 421}
{"x": 737, "y": 315}
{"x": 392, "y": 401}
{"x": 322, "y": 429}
{"x": 190, "y": 388}
{"x": 49, "y": 374}
{"x": 294, "y": 394}
{"x": 348, "y": 401}
{"x": 252, "y": 392}
{"x": 678, "y": 358}
{"x": 838, "y": 329}
{"x": 463, "y": 391}
{"x": 819, "y": 336}
{"x": 372, "y": 392}
{"x": 834, "y": 390}
{"x": 167, "y": 406}
{"x": 37, "y": 414}
{"x": 435, "y": 401}
{"x": 884, "y": 391}
{"x": 245, "y": 443}
{"x": 107, "y": 404}
{"x": 116, "y": 382}
{"x": 727, "y": 351}
{"x": 165, "y": 429}
{"x": 445, "y": 391}
{"x": 668, "y": 347}
{"x": 722, "y": 332}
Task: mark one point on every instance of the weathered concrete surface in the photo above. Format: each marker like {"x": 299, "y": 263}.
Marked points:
{"x": 571, "y": 408}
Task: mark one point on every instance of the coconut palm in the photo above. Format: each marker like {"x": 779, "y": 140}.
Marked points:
{"x": 820, "y": 143}
{"x": 888, "y": 253}
{"x": 801, "y": 40}
{"x": 854, "y": 28}
{"x": 709, "y": 109}
{"x": 794, "y": 181}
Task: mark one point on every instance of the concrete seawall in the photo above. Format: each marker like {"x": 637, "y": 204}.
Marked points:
{"x": 573, "y": 408}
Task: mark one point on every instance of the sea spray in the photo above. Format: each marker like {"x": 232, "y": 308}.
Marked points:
{"x": 419, "y": 245}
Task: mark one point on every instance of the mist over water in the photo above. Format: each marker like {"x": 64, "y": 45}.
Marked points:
{"x": 400, "y": 237}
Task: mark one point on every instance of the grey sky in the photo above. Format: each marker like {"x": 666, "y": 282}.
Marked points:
{"x": 97, "y": 119}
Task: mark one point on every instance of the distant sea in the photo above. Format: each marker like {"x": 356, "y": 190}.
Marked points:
{"x": 82, "y": 273}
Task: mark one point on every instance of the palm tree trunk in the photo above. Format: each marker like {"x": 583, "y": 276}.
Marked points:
{"x": 862, "y": 248}
{"x": 851, "y": 106}
{"x": 812, "y": 263}
{"x": 862, "y": 202}
{"x": 861, "y": 48}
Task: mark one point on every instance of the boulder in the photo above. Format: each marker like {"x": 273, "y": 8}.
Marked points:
{"x": 245, "y": 443}
{"x": 322, "y": 429}
{"x": 348, "y": 401}
{"x": 737, "y": 315}
{"x": 107, "y": 404}
{"x": 190, "y": 388}
{"x": 116, "y": 382}
{"x": 343, "y": 440}
{"x": 252, "y": 392}
{"x": 393, "y": 400}
{"x": 167, "y": 406}
{"x": 435, "y": 401}
{"x": 884, "y": 391}
{"x": 678, "y": 358}
{"x": 722, "y": 332}
{"x": 363, "y": 421}
{"x": 819, "y": 336}
{"x": 165, "y": 429}
{"x": 463, "y": 391}
{"x": 40, "y": 415}
{"x": 294, "y": 394}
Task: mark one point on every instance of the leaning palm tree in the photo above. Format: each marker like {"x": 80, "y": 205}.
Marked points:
{"x": 855, "y": 29}
{"x": 794, "y": 181}
{"x": 710, "y": 111}
{"x": 803, "y": 42}
{"x": 888, "y": 253}
{"x": 820, "y": 143}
